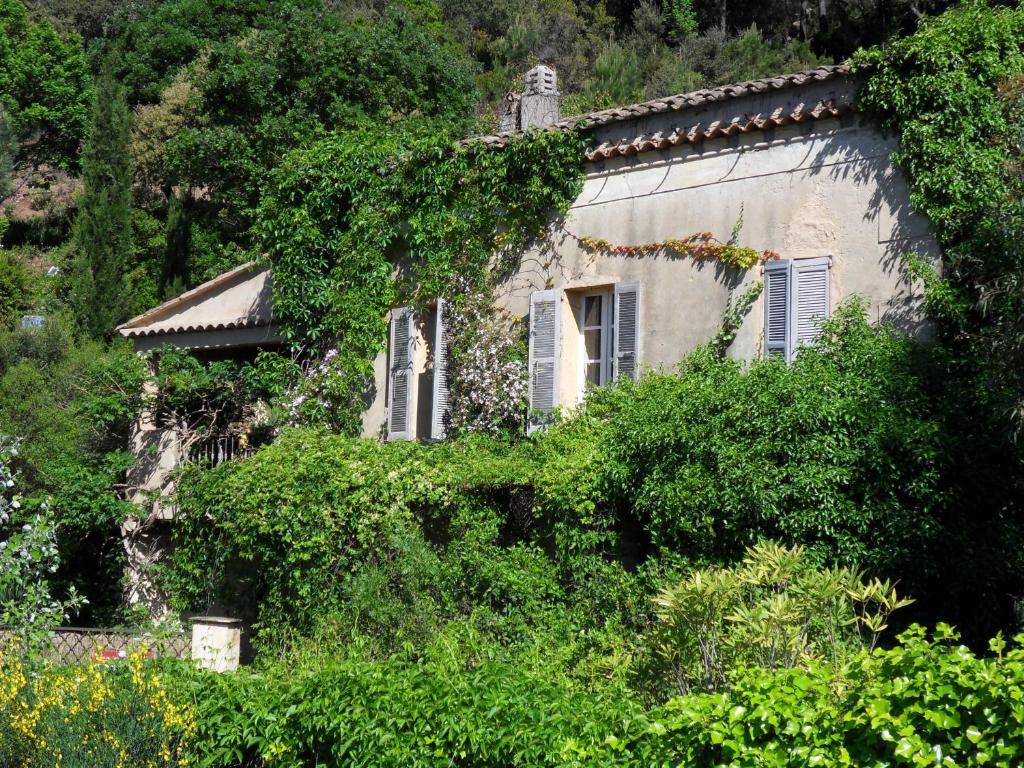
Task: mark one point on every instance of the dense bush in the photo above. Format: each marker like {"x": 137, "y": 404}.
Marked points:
{"x": 839, "y": 452}
{"x": 923, "y": 702}
{"x": 73, "y": 404}
{"x": 44, "y": 84}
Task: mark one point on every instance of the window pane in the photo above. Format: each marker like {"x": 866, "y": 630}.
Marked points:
{"x": 594, "y": 374}
{"x": 592, "y": 310}
{"x": 592, "y": 341}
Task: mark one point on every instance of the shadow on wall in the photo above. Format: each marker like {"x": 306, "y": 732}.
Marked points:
{"x": 899, "y": 228}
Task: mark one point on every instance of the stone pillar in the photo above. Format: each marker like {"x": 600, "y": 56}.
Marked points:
{"x": 216, "y": 642}
{"x": 540, "y": 102}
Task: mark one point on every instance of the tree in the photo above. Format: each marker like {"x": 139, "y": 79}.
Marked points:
{"x": 7, "y": 149}
{"x": 103, "y": 230}
{"x": 44, "y": 84}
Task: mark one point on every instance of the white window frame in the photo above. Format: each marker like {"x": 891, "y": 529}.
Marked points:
{"x": 607, "y": 328}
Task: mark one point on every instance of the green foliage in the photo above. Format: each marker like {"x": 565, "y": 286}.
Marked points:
{"x": 839, "y": 451}
{"x": 949, "y": 92}
{"x": 736, "y": 310}
{"x": 8, "y": 148}
{"x": 198, "y": 397}
{"x": 15, "y": 288}
{"x": 148, "y": 49}
{"x": 923, "y": 702}
{"x": 103, "y": 229}
{"x": 680, "y": 18}
{"x": 28, "y": 560}
{"x": 44, "y": 84}
{"x": 303, "y": 75}
{"x": 74, "y": 405}
{"x": 338, "y": 215}
{"x": 773, "y": 611}
{"x": 395, "y": 714}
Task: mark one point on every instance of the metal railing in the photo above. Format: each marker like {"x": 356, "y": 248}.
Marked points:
{"x": 217, "y": 449}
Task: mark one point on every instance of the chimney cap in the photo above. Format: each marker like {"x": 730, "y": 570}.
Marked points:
{"x": 541, "y": 79}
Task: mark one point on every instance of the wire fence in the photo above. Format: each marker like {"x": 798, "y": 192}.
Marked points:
{"x": 77, "y": 645}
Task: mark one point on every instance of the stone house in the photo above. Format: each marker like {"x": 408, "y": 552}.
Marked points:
{"x": 786, "y": 162}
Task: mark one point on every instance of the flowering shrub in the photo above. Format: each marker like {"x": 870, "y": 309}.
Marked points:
{"x": 487, "y": 365}
{"x": 116, "y": 714}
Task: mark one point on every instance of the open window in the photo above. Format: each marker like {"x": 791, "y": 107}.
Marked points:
{"x": 579, "y": 338}
{"x": 418, "y": 374}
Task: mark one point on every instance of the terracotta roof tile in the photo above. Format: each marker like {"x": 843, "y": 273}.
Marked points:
{"x": 242, "y": 322}
{"x": 686, "y": 100}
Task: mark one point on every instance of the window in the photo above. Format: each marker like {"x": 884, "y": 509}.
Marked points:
{"x": 609, "y": 341}
{"x": 597, "y": 330}
{"x": 796, "y": 302}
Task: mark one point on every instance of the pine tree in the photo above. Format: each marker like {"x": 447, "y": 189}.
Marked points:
{"x": 103, "y": 229}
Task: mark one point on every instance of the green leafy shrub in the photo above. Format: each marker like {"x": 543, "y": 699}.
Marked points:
{"x": 772, "y": 611}
{"x": 74, "y": 404}
{"x": 840, "y": 451}
{"x": 44, "y": 84}
{"x": 926, "y": 701}
{"x": 923, "y": 702}
{"x": 397, "y": 714}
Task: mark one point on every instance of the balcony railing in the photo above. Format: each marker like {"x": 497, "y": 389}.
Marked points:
{"x": 217, "y": 449}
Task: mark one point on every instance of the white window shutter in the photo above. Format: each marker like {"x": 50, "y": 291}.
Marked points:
{"x": 626, "y": 356}
{"x": 400, "y": 378}
{"x": 545, "y": 347}
{"x": 810, "y": 305}
{"x": 776, "y": 308}
{"x": 439, "y": 417}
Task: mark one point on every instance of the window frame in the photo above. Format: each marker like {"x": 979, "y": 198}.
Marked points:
{"x": 607, "y": 329}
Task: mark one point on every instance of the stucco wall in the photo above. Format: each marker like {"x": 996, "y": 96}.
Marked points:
{"x": 822, "y": 188}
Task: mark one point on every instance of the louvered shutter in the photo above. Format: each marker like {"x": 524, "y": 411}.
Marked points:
{"x": 400, "y": 379}
{"x": 545, "y": 339}
{"x": 627, "y": 330}
{"x": 810, "y": 305}
{"x": 776, "y": 308}
{"x": 439, "y": 418}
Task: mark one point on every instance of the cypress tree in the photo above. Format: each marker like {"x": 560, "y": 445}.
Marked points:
{"x": 103, "y": 229}
{"x": 8, "y": 147}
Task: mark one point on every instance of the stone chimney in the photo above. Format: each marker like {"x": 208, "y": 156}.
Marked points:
{"x": 536, "y": 107}
{"x": 539, "y": 105}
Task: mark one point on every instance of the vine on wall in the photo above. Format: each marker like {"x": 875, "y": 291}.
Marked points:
{"x": 952, "y": 93}
{"x": 700, "y": 246}
{"x": 362, "y": 221}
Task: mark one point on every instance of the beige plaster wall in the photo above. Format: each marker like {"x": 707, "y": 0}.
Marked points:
{"x": 824, "y": 188}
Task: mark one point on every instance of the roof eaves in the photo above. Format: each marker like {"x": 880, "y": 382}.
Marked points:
{"x": 199, "y": 290}
{"x": 676, "y": 103}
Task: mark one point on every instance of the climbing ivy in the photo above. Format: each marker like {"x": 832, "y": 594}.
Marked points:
{"x": 365, "y": 219}
{"x": 954, "y": 93}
